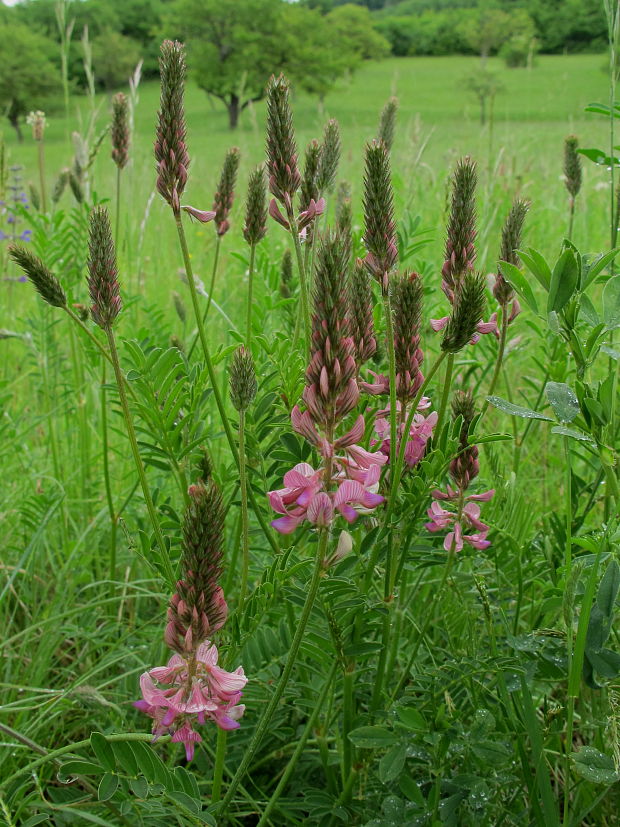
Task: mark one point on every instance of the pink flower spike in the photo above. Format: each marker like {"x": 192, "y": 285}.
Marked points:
{"x": 204, "y": 216}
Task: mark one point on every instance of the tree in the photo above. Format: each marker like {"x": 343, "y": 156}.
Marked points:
{"x": 27, "y": 74}
{"x": 114, "y": 58}
{"x": 233, "y": 47}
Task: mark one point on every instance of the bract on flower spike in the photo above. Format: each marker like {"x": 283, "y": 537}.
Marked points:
{"x": 284, "y": 177}
{"x": 572, "y": 166}
{"x": 407, "y": 295}
{"x": 309, "y": 185}
{"x": 242, "y": 379}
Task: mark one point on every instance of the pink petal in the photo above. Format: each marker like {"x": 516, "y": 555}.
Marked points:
{"x": 439, "y": 324}
{"x": 201, "y": 215}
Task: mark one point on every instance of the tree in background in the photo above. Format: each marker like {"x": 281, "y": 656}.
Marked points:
{"x": 235, "y": 45}
{"x": 114, "y": 58}
{"x": 28, "y": 75}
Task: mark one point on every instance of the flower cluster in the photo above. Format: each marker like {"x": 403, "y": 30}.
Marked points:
{"x": 192, "y": 689}
{"x": 347, "y": 481}
{"x": 420, "y": 431}
{"x": 464, "y": 522}
{"x": 196, "y": 690}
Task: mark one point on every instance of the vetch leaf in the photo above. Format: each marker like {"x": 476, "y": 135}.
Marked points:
{"x": 563, "y": 400}
{"x": 593, "y": 267}
{"x": 595, "y": 766}
{"x": 103, "y": 751}
{"x": 564, "y": 280}
{"x": 517, "y": 279}
{"x": 537, "y": 265}
{"x": 411, "y": 718}
{"x": 516, "y": 410}
{"x": 573, "y": 433}
{"x": 599, "y": 156}
{"x": 372, "y": 737}
{"x": 392, "y": 763}
{"x": 611, "y": 303}
{"x": 107, "y": 786}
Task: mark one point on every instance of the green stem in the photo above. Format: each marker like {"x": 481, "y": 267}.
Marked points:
{"x": 571, "y": 217}
{"x": 245, "y": 533}
{"x": 248, "y": 324}
{"x": 218, "y": 770}
{"x": 301, "y": 743}
{"x": 42, "y": 175}
{"x": 267, "y": 715}
{"x": 118, "y": 206}
{"x": 304, "y": 309}
{"x": 107, "y": 483}
{"x": 445, "y": 394}
{"x": 218, "y": 244}
{"x": 499, "y": 361}
{"x": 213, "y": 379}
{"x": 389, "y": 327}
{"x": 131, "y": 433}
{"x": 89, "y": 333}
{"x": 569, "y": 634}
{"x": 348, "y": 715}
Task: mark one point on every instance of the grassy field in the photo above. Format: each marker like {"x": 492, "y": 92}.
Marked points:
{"x": 77, "y": 638}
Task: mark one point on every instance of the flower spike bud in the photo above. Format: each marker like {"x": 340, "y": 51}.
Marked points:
{"x": 329, "y": 157}
{"x": 572, "y": 166}
{"x": 407, "y": 296}
{"x": 224, "y": 196}
{"x": 170, "y": 147}
{"x": 198, "y": 608}
{"x": 309, "y": 184}
{"x": 286, "y": 274}
{"x": 387, "y": 123}
{"x": 331, "y": 390}
{"x": 464, "y": 467}
{"x": 461, "y": 234}
{"x": 361, "y": 316}
{"x": 380, "y": 227}
{"x": 242, "y": 379}
{"x": 284, "y": 177}
{"x": 45, "y": 282}
{"x": 102, "y": 271}
{"x": 468, "y": 310}
{"x": 179, "y": 306}
{"x": 511, "y": 242}
{"x": 120, "y": 130}
{"x": 255, "y": 226}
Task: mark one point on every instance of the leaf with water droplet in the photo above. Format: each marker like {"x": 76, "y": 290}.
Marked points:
{"x": 595, "y": 766}
{"x": 563, "y": 400}
{"x": 516, "y": 410}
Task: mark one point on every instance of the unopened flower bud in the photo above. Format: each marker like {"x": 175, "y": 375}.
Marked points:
{"x": 103, "y": 283}
{"x": 468, "y": 310}
{"x": 255, "y": 226}
{"x": 461, "y": 234}
{"x": 361, "y": 316}
{"x": 572, "y": 165}
{"x": 511, "y": 241}
{"x": 38, "y": 123}
{"x": 179, "y": 306}
{"x": 224, "y": 196}
{"x": 380, "y": 227}
{"x": 284, "y": 177}
{"x": 329, "y": 157}
{"x": 170, "y": 147}
{"x": 387, "y": 123}
{"x": 242, "y": 379}
{"x": 120, "y": 130}
{"x": 45, "y": 282}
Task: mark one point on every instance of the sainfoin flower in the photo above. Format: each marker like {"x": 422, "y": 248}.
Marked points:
{"x": 465, "y": 519}
{"x": 420, "y": 432}
{"x": 191, "y": 690}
